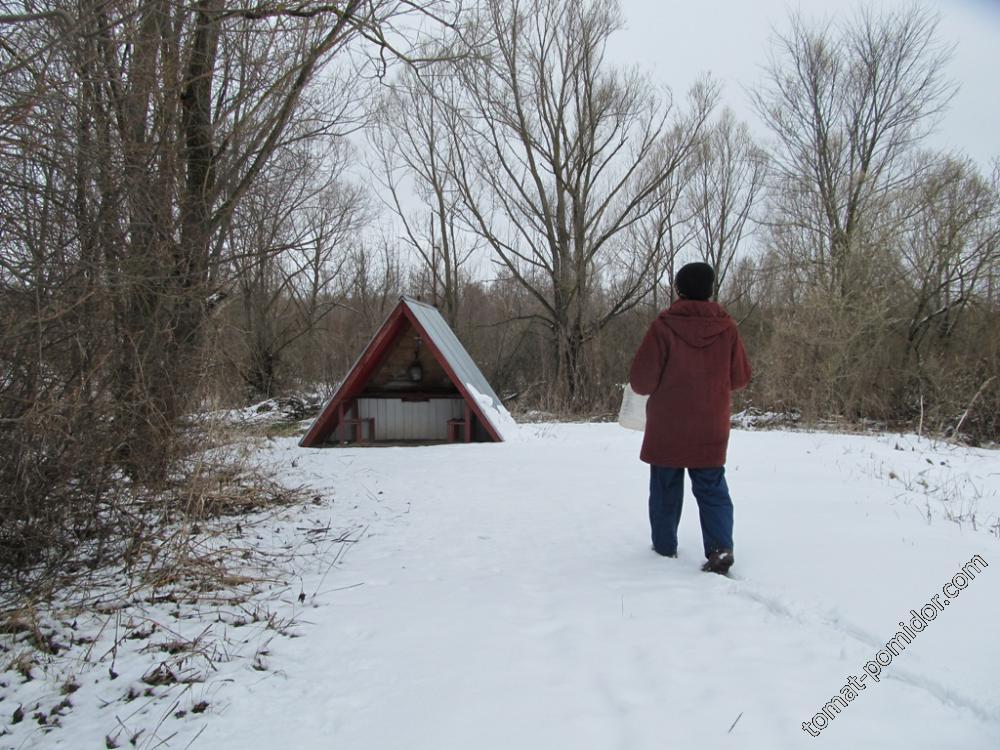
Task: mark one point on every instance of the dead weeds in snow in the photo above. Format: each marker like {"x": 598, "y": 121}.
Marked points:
{"x": 202, "y": 582}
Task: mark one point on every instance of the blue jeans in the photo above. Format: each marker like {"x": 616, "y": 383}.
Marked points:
{"x": 715, "y": 508}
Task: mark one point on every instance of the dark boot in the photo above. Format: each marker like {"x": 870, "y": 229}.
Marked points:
{"x": 719, "y": 561}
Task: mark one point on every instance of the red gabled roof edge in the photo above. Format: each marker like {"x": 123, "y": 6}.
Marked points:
{"x": 362, "y": 369}
{"x": 365, "y": 366}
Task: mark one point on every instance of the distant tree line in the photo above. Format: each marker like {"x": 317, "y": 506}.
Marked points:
{"x": 216, "y": 202}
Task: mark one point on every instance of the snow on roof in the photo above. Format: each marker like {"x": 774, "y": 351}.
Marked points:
{"x": 497, "y": 413}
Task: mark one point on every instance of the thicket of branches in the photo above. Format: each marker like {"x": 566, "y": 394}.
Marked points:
{"x": 216, "y": 202}
{"x": 159, "y": 161}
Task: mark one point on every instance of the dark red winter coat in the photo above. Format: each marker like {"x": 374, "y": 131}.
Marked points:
{"x": 689, "y": 362}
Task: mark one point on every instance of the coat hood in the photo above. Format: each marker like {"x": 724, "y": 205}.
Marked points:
{"x": 697, "y": 323}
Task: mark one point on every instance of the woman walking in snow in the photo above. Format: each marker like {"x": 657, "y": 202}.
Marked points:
{"x": 689, "y": 362}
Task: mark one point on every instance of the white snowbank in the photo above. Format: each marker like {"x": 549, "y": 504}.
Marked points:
{"x": 284, "y": 409}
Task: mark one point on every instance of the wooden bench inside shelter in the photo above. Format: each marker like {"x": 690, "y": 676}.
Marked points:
{"x": 355, "y": 424}
{"x": 464, "y": 424}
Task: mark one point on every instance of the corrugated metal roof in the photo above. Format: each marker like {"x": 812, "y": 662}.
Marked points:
{"x": 451, "y": 348}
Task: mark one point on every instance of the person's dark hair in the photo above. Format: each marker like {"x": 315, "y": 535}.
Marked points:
{"x": 695, "y": 281}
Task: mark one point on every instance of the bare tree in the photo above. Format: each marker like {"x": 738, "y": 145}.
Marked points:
{"x": 558, "y": 156}
{"x": 413, "y": 143}
{"x": 289, "y": 244}
{"x": 950, "y": 242}
{"x": 847, "y": 105}
{"x": 667, "y": 229}
{"x": 729, "y": 170}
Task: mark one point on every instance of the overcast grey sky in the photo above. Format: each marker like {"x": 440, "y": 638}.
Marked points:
{"x": 677, "y": 41}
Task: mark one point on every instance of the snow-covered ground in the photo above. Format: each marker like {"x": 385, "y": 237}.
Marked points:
{"x": 505, "y": 596}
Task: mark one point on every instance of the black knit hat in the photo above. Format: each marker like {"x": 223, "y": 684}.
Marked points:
{"x": 695, "y": 281}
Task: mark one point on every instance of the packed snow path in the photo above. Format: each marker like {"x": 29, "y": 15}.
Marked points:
{"x": 510, "y": 600}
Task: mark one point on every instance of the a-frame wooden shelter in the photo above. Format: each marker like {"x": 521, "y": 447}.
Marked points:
{"x": 414, "y": 382}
